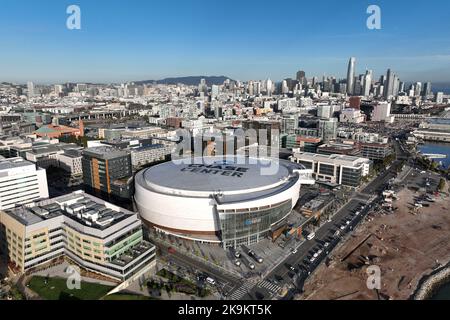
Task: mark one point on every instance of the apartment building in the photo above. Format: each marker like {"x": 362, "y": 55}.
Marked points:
{"x": 108, "y": 170}
{"x": 149, "y": 154}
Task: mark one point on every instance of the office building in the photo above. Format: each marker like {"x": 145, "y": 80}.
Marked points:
{"x": 349, "y": 149}
{"x": 30, "y": 89}
{"x": 375, "y": 151}
{"x": 306, "y": 144}
{"x": 355, "y": 102}
{"x": 325, "y": 111}
{"x": 427, "y": 89}
{"x": 328, "y": 129}
{"x": 71, "y": 161}
{"x": 382, "y": 113}
{"x": 96, "y": 235}
{"x": 301, "y": 78}
{"x": 351, "y": 116}
{"x": 439, "y": 97}
{"x": 108, "y": 170}
{"x": 418, "y": 89}
{"x": 389, "y": 86}
{"x": 367, "y": 85}
{"x": 21, "y": 183}
{"x": 351, "y": 76}
{"x": 337, "y": 169}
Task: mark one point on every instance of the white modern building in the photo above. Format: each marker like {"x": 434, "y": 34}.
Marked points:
{"x": 351, "y": 115}
{"x": 70, "y": 161}
{"x": 337, "y": 169}
{"x": 382, "y": 112}
{"x": 229, "y": 203}
{"x": 325, "y": 111}
{"x": 21, "y": 183}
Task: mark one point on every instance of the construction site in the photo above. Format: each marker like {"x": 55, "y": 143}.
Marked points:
{"x": 406, "y": 240}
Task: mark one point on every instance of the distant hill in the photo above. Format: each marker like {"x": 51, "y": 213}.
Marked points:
{"x": 191, "y": 80}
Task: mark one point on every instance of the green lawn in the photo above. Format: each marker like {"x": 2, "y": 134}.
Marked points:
{"x": 56, "y": 289}
{"x": 125, "y": 296}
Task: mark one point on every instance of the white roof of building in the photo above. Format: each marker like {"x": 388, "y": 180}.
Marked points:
{"x": 211, "y": 175}
{"x": 334, "y": 158}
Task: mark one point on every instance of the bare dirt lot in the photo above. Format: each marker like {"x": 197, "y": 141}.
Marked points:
{"x": 405, "y": 245}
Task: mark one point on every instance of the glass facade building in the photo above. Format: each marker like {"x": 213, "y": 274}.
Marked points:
{"x": 250, "y": 225}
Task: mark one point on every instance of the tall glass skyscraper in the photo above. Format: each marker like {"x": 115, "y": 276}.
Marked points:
{"x": 351, "y": 75}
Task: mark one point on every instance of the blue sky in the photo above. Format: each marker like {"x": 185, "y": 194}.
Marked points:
{"x": 242, "y": 39}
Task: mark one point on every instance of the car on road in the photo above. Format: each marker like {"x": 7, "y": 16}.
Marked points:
{"x": 326, "y": 245}
{"x": 235, "y": 253}
{"x": 237, "y": 262}
{"x": 257, "y": 258}
{"x": 172, "y": 250}
{"x": 342, "y": 227}
{"x": 211, "y": 281}
{"x": 311, "y": 236}
{"x": 294, "y": 250}
{"x": 247, "y": 263}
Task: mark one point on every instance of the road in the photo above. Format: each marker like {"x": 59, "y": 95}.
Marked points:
{"x": 225, "y": 282}
{"x": 236, "y": 288}
{"x": 300, "y": 261}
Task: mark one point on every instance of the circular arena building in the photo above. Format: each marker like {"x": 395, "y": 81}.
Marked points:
{"x": 223, "y": 202}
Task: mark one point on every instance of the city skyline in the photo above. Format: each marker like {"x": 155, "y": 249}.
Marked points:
{"x": 145, "y": 41}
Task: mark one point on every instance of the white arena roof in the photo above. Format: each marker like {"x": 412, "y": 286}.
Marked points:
{"x": 208, "y": 175}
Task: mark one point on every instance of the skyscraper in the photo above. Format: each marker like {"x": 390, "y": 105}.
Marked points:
{"x": 284, "y": 87}
{"x": 389, "y": 87}
{"x": 418, "y": 90}
{"x": 301, "y": 77}
{"x": 269, "y": 87}
{"x": 426, "y": 89}
{"x": 351, "y": 75}
{"x": 328, "y": 129}
{"x": 367, "y": 83}
{"x": 396, "y": 86}
{"x": 30, "y": 88}
{"x": 203, "y": 87}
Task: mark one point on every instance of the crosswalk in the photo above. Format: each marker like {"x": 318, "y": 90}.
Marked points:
{"x": 271, "y": 287}
{"x": 240, "y": 292}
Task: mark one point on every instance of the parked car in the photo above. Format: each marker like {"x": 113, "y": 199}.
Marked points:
{"x": 311, "y": 236}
